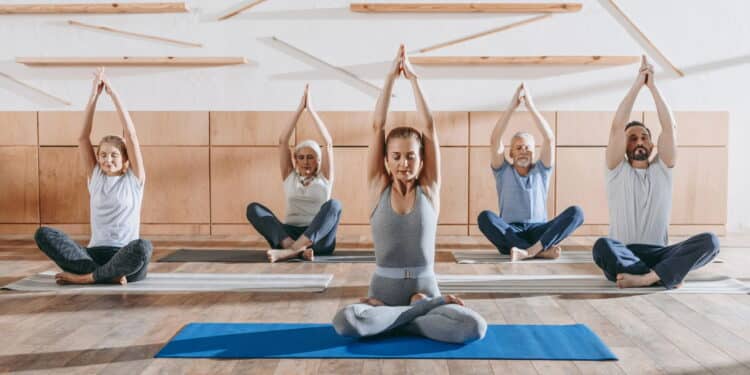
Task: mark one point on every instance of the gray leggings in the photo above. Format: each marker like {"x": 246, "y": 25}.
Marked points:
{"x": 105, "y": 262}
{"x": 431, "y": 318}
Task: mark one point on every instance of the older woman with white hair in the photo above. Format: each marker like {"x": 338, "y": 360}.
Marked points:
{"x": 312, "y": 217}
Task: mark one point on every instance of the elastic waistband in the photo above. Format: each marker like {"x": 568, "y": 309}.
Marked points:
{"x": 405, "y": 272}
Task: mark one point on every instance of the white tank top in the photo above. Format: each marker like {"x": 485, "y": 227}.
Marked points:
{"x": 303, "y": 202}
{"x": 115, "y": 208}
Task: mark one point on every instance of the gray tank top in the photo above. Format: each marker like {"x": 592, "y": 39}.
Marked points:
{"x": 404, "y": 240}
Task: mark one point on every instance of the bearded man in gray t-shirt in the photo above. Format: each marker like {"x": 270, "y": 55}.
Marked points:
{"x": 639, "y": 194}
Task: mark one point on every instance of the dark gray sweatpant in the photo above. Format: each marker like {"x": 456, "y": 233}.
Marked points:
{"x": 105, "y": 262}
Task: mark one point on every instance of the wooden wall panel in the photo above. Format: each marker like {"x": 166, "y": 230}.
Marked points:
{"x": 454, "y": 194}
{"x": 241, "y": 175}
{"x": 696, "y": 128}
{"x": 63, "y": 195}
{"x": 18, "y": 128}
{"x": 347, "y": 128}
{"x": 177, "y": 185}
{"x": 481, "y": 125}
{"x": 700, "y": 186}
{"x": 587, "y": 128}
{"x": 171, "y": 128}
{"x": 350, "y": 185}
{"x": 259, "y": 128}
{"x": 355, "y": 128}
{"x": 582, "y": 181}
{"x": 482, "y": 190}
{"x": 62, "y": 128}
{"x": 19, "y": 185}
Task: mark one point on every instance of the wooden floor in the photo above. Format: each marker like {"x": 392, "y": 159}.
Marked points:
{"x": 113, "y": 334}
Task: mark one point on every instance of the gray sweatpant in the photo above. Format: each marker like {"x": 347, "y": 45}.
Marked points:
{"x": 105, "y": 262}
{"x": 431, "y": 318}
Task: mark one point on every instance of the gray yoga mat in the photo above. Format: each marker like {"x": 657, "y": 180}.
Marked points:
{"x": 185, "y": 282}
{"x": 493, "y": 256}
{"x": 578, "y": 284}
{"x": 259, "y": 256}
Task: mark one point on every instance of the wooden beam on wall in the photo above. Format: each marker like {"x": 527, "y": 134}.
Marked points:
{"x": 240, "y": 10}
{"x": 130, "y": 33}
{"x": 483, "y": 33}
{"x": 523, "y": 60}
{"x": 465, "y": 7}
{"x": 130, "y": 61}
{"x": 107, "y": 8}
{"x": 641, "y": 38}
{"x": 35, "y": 89}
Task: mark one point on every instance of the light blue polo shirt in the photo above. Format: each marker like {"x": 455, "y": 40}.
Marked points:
{"x": 522, "y": 199}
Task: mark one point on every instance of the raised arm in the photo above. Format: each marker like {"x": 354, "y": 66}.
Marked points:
{"x": 327, "y": 165}
{"x": 547, "y": 155}
{"x": 497, "y": 143}
{"x": 135, "y": 156}
{"x": 85, "y": 148}
{"x": 377, "y": 176}
{"x": 430, "y": 176}
{"x": 667, "y": 144}
{"x": 285, "y": 157}
{"x": 617, "y": 145}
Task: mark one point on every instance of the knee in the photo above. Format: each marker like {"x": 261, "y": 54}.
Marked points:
{"x": 475, "y": 328}
{"x": 143, "y": 248}
{"x": 710, "y": 242}
{"x": 252, "y": 211}
{"x": 601, "y": 249}
{"x": 575, "y": 212}
{"x": 42, "y": 236}
{"x": 333, "y": 205}
{"x": 485, "y": 218}
{"x": 344, "y": 322}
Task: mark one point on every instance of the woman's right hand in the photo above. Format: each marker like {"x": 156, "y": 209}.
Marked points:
{"x": 451, "y": 299}
{"x": 518, "y": 96}
{"x": 304, "y": 101}
{"x": 397, "y": 65}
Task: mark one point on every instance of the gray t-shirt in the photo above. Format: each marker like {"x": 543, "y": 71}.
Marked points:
{"x": 522, "y": 199}
{"x": 115, "y": 208}
{"x": 640, "y": 201}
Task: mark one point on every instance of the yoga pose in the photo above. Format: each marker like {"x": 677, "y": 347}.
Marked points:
{"x": 311, "y": 215}
{"x": 639, "y": 194}
{"x": 116, "y": 178}
{"x": 404, "y": 180}
{"x": 522, "y": 185}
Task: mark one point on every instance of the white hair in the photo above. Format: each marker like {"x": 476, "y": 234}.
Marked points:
{"x": 525, "y": 136}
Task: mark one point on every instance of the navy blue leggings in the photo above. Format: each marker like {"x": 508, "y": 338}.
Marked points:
{"x": 321, "y": 231}
{"x": 523, "y": 235}
{"x": 672, "y": 263}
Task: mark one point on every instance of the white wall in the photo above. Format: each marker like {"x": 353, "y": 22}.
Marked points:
{"x": 707, "y": 40}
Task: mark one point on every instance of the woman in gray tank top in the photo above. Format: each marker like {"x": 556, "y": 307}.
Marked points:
{"x": 116, "y": 174}
{"x": 404, "y": 180}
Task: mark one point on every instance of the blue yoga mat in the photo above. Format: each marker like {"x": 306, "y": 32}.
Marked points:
{"x": 282, "y": 340}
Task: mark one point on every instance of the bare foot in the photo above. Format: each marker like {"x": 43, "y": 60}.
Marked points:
{"x": 517, "y": 254}
{"x": 451, "y": 299}
{"x": 64, "y": 278}
{"x": 307, "y": 254}
{"x": 372, "y": 301}
{"x": 275, "y": 255}
{"x": 416, "y": 298}
{"x": 626, "y": 280}
{"x": 553, "y": 252}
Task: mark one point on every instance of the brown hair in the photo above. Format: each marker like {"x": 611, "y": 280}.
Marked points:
{"x": 406, "y": 132}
